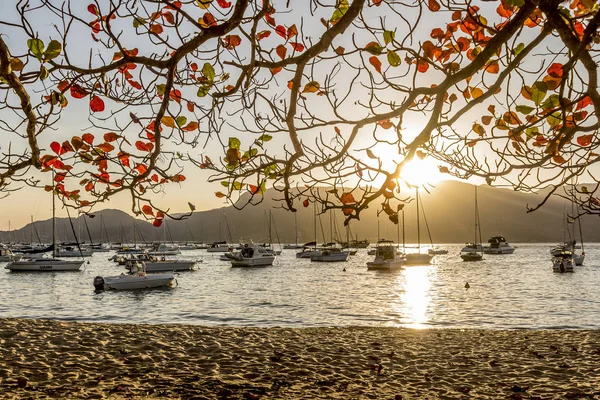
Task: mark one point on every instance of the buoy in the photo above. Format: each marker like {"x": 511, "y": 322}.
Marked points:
{"x": 467, "y": 285}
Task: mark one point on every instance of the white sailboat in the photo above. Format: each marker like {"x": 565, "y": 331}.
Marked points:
{"x": 418, "y": 258}
{"x": 251, "y": 255}
{"x": 474, "y": 251}
{"x": 135, "y": 281}
{"x": 46, "y": 264}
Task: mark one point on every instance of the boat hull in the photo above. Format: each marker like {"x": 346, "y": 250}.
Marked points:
{"x": 44, "y": 265}
{"x": 387, "y": 265}
{"x": 471, "y": 256}
{"x": 137, "y": 282}
{"x": 418, "y": 259}
{"x": 253, "y": 262}
{"x": 330, "y": 257}
{"x": 171, "y": 265}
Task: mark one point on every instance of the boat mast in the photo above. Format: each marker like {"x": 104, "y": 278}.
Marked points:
{"x": 403, "y": 234}
{"x": 315, "y": 221}
{"x": 53, "y": 217}
{"x": 418, "y": 223}
{"x": 296, "y": 225}
{"x": 31, "y": 231}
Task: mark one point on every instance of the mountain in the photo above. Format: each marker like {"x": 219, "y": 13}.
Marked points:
{"x": 448, "y": 210}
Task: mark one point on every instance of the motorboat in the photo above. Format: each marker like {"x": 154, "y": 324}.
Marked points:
{"x": 251, "y": 255}
{"x": 137, "y": 280}
{"x": 330, "y": 255}
{"x": 156, "y": 265}
{"x": 569, "y": 246}
{"x": 498, "y": 245}
{"x": 472, "y": 248}
{"x": 44, "y": 264}
{"x": 563, "y": 262}
{"x": 307, "y": 250}
{"x": 387, "y": 258}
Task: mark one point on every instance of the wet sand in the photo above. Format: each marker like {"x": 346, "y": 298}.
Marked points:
{"x": 52, "y": 359}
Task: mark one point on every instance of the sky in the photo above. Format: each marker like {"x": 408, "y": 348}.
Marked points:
{"x": 19, "y": 206}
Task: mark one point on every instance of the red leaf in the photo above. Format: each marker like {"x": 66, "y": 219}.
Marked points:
{"x": 192, "y": 126}
{"x": 156, "y": 28}
{"x": 493, "y": 67}
{"x": 55, "y": 146}
{"x": 124, "y": 158}
{"x": 347, "y": 198}
{"x": 106, "y": 147}
{"x": 585, "y": 140}
{"x": 66, "y": 147}
{"x": 209, "y": 20}
{"x": 347, "y": 210}
{"x": 141, "y": 168}
{"x": 305, "y": 203}
{"x": 141, "y": 146}
{"x": 223, "y": 3}
{"x": 169, "y": 17}
{"x": 96, "y": 104}
{"x": 93, "y": 9}
{"x": 262, "y": 35}
{"x": 297, "y": 46}
{"x": 110, "y": 137}
{"x": 157, "y": 222}
{"x": 281, "y": 31}
{"x": 175, "y": 95}
{"x": 135, "y": 84}
{"x": 190, "y": 106}
{"x": 146, "y": 209}
{"x": 422, "y": 66}
{"x": 281, "y": 51}
{"x": 59, "y": 177}
{"x": 375, "y": 63}
{"x": 292, "y": 31}
{"x": 88, "y": 138}
{"x": 231, "y": 41}
{"x": 176, "y": 5}
{"x": 178, "y": 178}
{"x": 253, "y": 189}
{"x": 77, "y": 91}
{"x": 556, "y": 70}
{"x": 583, "y": 103}
{"x": 62, "y": 85}
{"x": 433, "y": 5}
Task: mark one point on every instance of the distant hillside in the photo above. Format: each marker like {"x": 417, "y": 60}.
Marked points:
{"x": 448, "y": 209}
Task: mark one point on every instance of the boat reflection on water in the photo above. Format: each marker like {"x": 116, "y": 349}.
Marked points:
{"x": 413, "y": 303}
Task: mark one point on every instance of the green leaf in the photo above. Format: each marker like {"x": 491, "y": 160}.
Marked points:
{"x": 551, "y": 102}
{"x": 388, "y": 36}
{"x": 225, "y": 183}
{"x": 234, "y": 143}
{"x": 538, "y": 92}
{"x": 160, "y": 89}
{"x": 181, "y": 120}
{"x": 518, "y": 49}
{"x": 192, "y": 207}
{"x": 208, "y": 71}
{"x": 525, "y": 109}
{"x": 43, "y": 73}
{"x": 137, "y": 22}
{"x": 36, "y": 46}
{"x": 554, "y": 119}
{"x": 252, "y": 152}
{"x": 516, "y": 3}
{"x": 265, "y": 138}
{"x": 532, "y": 132}
{"x": 53, "y": 50}
{"x": 263, "y": 188}
{"x": 203, "y": 90}
{"x": 237, "y": 186}
{"x": 584, "y": 189}
{"x": 393, "y": 58}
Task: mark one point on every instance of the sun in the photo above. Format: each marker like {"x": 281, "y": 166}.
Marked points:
{"x": 421, "y": 172}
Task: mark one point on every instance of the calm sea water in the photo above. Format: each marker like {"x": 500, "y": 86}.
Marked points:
{"x": 510, "y": 291}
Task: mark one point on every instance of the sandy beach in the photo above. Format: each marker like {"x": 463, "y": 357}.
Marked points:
{"x": 52, "y": 359}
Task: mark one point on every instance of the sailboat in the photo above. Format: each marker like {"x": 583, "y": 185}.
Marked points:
{"x": 474, "y": 251}
{"x": 330, "y": 253}
{"x": 433, "y": 250}
{"x": 569, "y": 246}
{"x": 295, "y": 245}
{"x": 418, "y": 258}
{"x": 46, "y": 264}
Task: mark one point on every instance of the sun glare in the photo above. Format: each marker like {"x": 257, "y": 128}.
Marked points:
{"x": 421, "y": 172}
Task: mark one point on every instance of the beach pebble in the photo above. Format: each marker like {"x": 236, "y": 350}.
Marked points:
{"x": 21, "y": 382}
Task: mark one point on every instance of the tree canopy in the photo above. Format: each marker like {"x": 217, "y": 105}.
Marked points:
{"x": 297, "y": 96}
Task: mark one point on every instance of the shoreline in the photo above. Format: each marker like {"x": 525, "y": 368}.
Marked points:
{"x": 54, "y": 359}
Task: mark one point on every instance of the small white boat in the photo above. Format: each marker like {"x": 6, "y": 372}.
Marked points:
{"x": 161, "y": 249}
{"x": 218, "y": 247}
{"x": 165, "y": 265}
{"x": 133, "y": 282}
{"x": 330, "y": 255}
{"x": 44, "y": 264}
{"x": 569, "y": 246}
{"x": 387, "y": 258}
{"x": 563, "y": 262}
{"x": 498, "y": 245}
{"x": 418, "y": 259}
{"x": 73, "y": 251}
{"x": 251, "y": 256}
